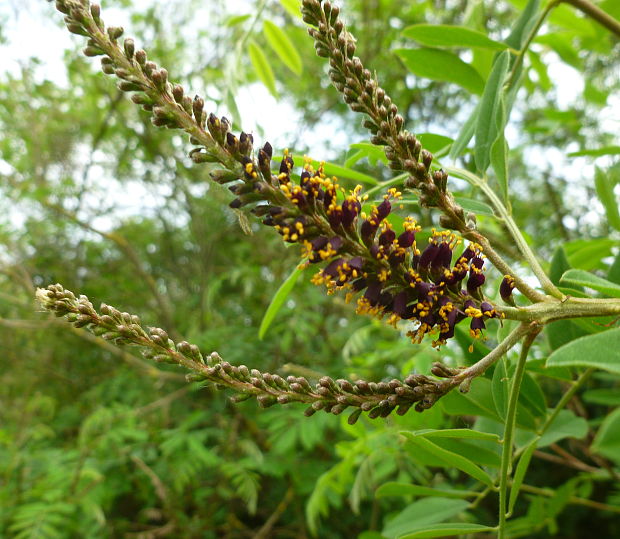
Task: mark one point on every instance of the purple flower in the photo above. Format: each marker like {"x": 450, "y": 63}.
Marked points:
{"x": 506, "y": 288}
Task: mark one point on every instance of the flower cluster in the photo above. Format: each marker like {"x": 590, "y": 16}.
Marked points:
{"x": 364, "y": 254}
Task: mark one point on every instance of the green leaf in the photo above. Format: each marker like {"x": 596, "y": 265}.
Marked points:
{"x": 520, "y": 471}
{"x": 613, "y": 274}
{"x": 262, "y": 68}
{"x": 523, "y": 25}
{"x": 292, "y": 6}
{"x": 479, "y": 208}
{"x": 574, "y": 277}
{"x": 434, "y": 143}
{"x": 607, "y": 440}
{"x": 562, "y": 45}
{"x": 588, "y": 254}
{"x": 560, "y": 498}
{"x": 394, "y": 488}
{"x": 451, "y": 459}
{"x": 565, "y": 425}
{"x": 465, "y": 134}
{"x": 373, "y": 153}
{"x": 605, "y": 183}
{"x": 443, "y": 66}
{"x": 491, "y": 117}
{"x": 331, "y": 169}
{"x": 544, "y": 82}
{"x": 448, "y": 529}
{"x": 477, "y": 401}
{"x": 234, "y": 20}
{"x": 562, "y": 332}
{"x": 482, "y": 452}
{"x": 423, "y": 513}
{"x": 371, "y": 535}
{"x": 559, "y": 265}
{"x": 282, "y": 46}
{"x": 278, "y": 300}
{"x": 537, "y": 366}
{"x": 532, "y": 396}
{"x": 601, "y": 351}
{"x": 597, "y": 152}
{"x": 443, "y": 35}
{"x": 499, "y": 162}
{"x": 454, "y": 433}
{"x": 602, "y": 396}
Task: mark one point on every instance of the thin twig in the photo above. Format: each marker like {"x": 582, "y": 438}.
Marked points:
{"x": 597, "y": 14}
{"x": 549, "y": 493}
{"x": 265, "y": 530}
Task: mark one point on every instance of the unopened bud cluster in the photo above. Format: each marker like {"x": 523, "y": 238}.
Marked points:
{"x": 362, "y": 93}
{"x": 378, "y": 399}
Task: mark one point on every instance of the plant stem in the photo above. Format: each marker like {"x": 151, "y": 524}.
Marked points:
{"x": 479, "y": 367}
{"x": 552, "y": 309}
{"x": 596, "y": 13}
{"x": 511, "y": 414}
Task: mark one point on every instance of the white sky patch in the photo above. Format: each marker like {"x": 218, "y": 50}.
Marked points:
{"x": 569, "y": 82}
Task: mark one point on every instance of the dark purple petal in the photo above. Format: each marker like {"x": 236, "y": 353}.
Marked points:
{"x": 356, "y": 263}
{"x": 332, "y": 268}
{"x": 467, "y": 255}
{"x": 318, "y": 243}
{"x": 396, "y": 258}
{"x": 477, "y": 324}
{"x": 428, "y": 255}
{"x": 350, "y": 210}
{"x": 268, "y": 149}
{"x": 335, "y": 217}
{"x": 336, "y": 242}
{"x": 385, "y": 299}
{"x": 387, "y": 237}
{"x": 406, "y": 239}
{"x": 372, "y": 293}
{"x": 368, "y": 231}
{"x": 477, "y": 262}
{"x": 475, "y": 281}
{"x": 359, "y": 284}
{"x": 486, "y": 307}
{"x": 383, "y": 210}
{"x": 400, "y": 304}
{"x": 286, "y": 165}
{"x": 443, "y": 258}
{"x": 506, "y": 288}
{"x": 423, "y": 288}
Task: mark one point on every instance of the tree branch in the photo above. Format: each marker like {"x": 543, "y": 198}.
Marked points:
{"x": 597, "y": 14}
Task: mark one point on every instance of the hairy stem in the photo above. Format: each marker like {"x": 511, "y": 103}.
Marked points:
{"x": 481, "y": 366}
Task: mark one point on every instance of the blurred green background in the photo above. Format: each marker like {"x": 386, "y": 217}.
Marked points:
{"x": 96, "y": 442}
